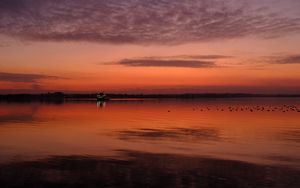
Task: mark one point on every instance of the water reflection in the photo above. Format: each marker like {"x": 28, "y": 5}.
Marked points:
{"x": 216, "y": 142}
{"x": 144, "y": 170}
{"x": 174, "y": 134}
{"x": 290, "y": 135}
{"x": 19, "y": 113}
{"x": 101, "y": 104}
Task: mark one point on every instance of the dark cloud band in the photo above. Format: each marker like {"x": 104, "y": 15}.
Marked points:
{"x": 281, "y": 59}
{"x": 293, "y": 59}
{"x": 187, "y": 57}
{"x": 166, "y": 63}
{"x": 26, "y": 78}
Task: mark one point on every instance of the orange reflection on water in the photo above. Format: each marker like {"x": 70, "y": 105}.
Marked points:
{"x": 226, "y": 128}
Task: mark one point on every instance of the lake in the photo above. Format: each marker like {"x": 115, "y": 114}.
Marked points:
{"x": 234, "y": 142}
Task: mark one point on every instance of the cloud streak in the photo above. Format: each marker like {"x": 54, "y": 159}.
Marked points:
{"x": 183, "y": 61}
{"x": 26, "y": 78}
{"x": 142, "y": 21}
{"x": 288, "y": 59}
{"x": 166, "y": 63}
{"x": 293, "y": 59}
{"x": 187, "y": 57}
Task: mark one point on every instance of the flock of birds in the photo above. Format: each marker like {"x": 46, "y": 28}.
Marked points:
{"x": 257, "y": 108}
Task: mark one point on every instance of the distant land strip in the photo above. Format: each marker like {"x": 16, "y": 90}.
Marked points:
{"x": 61, "y": 97}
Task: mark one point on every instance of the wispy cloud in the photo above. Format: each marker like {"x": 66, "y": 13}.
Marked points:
{"x": 143, "y": 21}
{"x": 166, "y": 63}
{"x": 208, "y": 57}
{"x": 293, "y": 59}
{"x": 26, "y": 78}
{"x": 187, "y": 57}
{"x": 187, "y": 61}
{"x": 279, "y": 59}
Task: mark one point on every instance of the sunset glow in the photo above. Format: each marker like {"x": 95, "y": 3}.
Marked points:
{"x": 196, "y": 46}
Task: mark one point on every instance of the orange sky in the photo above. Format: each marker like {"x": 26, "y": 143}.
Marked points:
{"x": 263, "y": 58}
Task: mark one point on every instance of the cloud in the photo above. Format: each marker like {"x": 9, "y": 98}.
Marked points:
{"x": 293, "y": 59}
{"x": 36, "y": 86}
{"x": 203, "y": 57}
{"x": 166, "y": 63}
{"x": 208, "y": 57}
{"x": 280, "y": 59}
{"x": 188, "y": 61}
{"x": 144, "y": 21}
{"x": 28, "y": 78}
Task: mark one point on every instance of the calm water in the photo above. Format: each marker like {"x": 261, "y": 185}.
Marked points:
{"x": 154, "y": 143}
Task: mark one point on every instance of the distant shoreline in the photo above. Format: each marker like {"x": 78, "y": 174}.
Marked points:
{"x": 60, "y": 97}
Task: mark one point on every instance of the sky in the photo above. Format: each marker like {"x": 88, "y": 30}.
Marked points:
{"x": 150, "y": 46}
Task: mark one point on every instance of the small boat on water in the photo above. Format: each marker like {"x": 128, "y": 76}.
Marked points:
{"x": 102, "y": 97}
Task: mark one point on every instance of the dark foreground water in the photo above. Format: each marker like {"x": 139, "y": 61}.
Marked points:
{"x": 151, "y": 143}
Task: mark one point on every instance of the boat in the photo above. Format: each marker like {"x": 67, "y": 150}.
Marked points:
{"x": 102, "y": 97}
